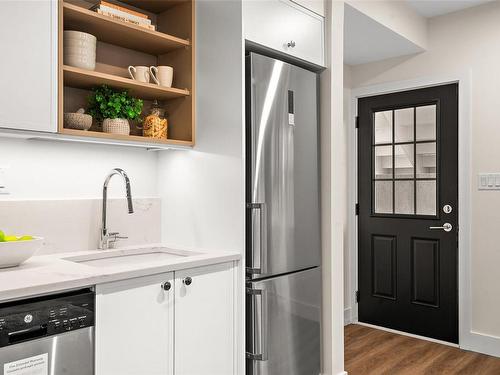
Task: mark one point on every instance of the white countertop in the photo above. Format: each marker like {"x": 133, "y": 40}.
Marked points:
{"x": 53, "y": 273}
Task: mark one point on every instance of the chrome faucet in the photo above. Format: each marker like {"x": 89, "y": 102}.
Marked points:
{"x": 109, "y": 239}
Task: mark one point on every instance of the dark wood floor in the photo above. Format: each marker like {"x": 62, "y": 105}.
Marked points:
{"x": 371, "y": 351}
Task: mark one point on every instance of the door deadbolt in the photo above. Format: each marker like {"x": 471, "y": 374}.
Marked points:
{"x": 447, "y": 209}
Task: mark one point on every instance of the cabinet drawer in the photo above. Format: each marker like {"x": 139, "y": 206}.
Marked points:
{"x": 277, "y": 23}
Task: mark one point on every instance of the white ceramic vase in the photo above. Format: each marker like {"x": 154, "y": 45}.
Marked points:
{"x": 116, "y": 126}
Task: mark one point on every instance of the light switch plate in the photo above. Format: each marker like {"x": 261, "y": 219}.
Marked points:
{"x": 488, "y": 181}
{"x": 3, "y": 181}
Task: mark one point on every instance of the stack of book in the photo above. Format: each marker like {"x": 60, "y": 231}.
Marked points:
{"x": 123, "y": 14}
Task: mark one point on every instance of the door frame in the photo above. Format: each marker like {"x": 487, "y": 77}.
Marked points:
{"x": 464, "y": 181}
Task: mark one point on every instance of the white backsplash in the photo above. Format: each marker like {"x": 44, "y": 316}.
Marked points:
{"x": 73, "y": 225}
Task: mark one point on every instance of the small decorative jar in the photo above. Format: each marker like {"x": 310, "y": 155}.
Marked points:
{"x": 155, "y": 124}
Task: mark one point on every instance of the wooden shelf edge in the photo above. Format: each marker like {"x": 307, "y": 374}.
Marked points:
{"x": 121, "y": 82}
{"x": 128, "y": 138}
{"x": 156, "y": 34}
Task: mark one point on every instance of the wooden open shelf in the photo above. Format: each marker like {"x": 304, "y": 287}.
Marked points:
{"x": 109, "y": 30}
{"x": 128, "y": 138}
{"x": 120, "y": 44}
{"x": 87, "y": 79}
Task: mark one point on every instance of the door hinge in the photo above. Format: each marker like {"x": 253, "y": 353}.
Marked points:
{"x": 357, "y": 122}
{"x": 357, "y": 296}
{"x": 357, "y": 209}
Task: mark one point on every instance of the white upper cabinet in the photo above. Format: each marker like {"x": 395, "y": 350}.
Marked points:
{"x": 134, "y": 326}
{"x": 317, "y": 6}
{"x": 204, "y": 321}
{"x": 28, "y": 65}
{"x": 285, "y": 27}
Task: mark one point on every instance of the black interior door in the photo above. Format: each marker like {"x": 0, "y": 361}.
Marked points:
{"x": 408, "y": 211}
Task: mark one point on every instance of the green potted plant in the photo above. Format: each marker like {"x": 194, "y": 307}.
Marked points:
{"x": 114, "y": 109}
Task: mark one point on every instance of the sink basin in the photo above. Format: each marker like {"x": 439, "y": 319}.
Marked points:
{"x": 111, "y": 258}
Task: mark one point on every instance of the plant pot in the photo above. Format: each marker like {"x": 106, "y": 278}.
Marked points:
{"x": 116, "y": 126}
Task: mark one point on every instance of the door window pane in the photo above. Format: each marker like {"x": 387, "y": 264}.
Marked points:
{"x": 403, "y": 161}
{"x": 383, "y": 197}
{"x": 405, "y": 167}
{"x": 426, "y": 160}
{"x": 383, "y": 162}
{"x": 383, "y": 127}
{"x": 426, "y": 123}
{"x": 403, "y": 121}
{"x": 404, "y": 199}
{"x": 426, "y": 197}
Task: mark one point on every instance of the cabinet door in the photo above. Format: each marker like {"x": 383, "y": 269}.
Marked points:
{"x": 276, "y": 23}
{"x": 28, "y": 66}
{"x": 134, "y": 327}
{"x": 204, "y": 321}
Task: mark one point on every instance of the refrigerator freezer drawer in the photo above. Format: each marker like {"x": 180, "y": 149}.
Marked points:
{"x": 283, "y": 324}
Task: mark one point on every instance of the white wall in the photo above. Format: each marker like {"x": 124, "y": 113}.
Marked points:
{"x": 397, "y": 16}
{"x": 203, "y": 190}
{"x": 348, "y": 287}
{"x": 333, "y": 192}
{"x": 464, "y": 43}
{"x": 59, "y": 170}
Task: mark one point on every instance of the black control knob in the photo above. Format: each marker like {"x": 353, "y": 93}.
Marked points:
{"x": 166, "y": 285}
{"x": 187, "y": 281}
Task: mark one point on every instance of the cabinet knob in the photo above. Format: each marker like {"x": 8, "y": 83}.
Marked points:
{"x": 166, "y": 285}
{"x": 187, "y": 281}
{"x": 290, "y": 44}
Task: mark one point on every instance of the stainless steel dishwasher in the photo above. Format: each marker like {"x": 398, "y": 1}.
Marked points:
{"x": 50, "y": 335}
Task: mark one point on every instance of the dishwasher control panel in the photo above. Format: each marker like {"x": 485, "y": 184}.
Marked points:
{"x": 45, "y": 316}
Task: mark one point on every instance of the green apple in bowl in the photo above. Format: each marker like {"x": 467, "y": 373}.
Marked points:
{"x": 15, "y": 250}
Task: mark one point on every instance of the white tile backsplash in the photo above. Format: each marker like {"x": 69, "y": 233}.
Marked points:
{"x": 74, "y": 225}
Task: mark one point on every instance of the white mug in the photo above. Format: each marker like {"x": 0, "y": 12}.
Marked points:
{"x": 139, "y": 73}
{"x": 162, "y": 75}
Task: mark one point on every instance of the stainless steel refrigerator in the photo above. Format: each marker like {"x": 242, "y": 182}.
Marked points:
{"x": 283, "y": 286}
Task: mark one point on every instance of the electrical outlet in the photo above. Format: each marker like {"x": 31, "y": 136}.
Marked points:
{"x": 3, "y": 181}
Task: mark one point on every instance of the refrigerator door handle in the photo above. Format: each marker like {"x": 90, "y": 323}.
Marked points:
{"x": 260, "y": 268}
{"x": 259, "y": 318}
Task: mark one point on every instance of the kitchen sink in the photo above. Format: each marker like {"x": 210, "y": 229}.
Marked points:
{"x": 111, "y": 258}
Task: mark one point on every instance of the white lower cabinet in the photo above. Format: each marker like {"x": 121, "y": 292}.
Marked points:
{"x": 179, "y": 323}
{"x": 134, "y": 326}
{"x": 204, "y": 321}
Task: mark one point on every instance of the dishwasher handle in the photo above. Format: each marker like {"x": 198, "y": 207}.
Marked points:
{"x": 27, "y": 334}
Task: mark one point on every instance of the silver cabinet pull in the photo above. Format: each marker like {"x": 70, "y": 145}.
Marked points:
{"x": 260, "y": 319}
{"x": 291, "y": 44}
{"x": 447, "y": 227}
{"x": 260, "y": 267}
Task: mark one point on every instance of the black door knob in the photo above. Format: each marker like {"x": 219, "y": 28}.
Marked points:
{"x": 166, "y": 285}
{"x": 187, "y": 281}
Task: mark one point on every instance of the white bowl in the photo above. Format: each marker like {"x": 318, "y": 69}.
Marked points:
{"x": 16, "y": 252}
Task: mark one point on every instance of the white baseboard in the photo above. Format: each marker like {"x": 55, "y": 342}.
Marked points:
{"x": 481, "y": 343}
{"x": 347, "y": 316}
{"x": 408, "y": 334}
